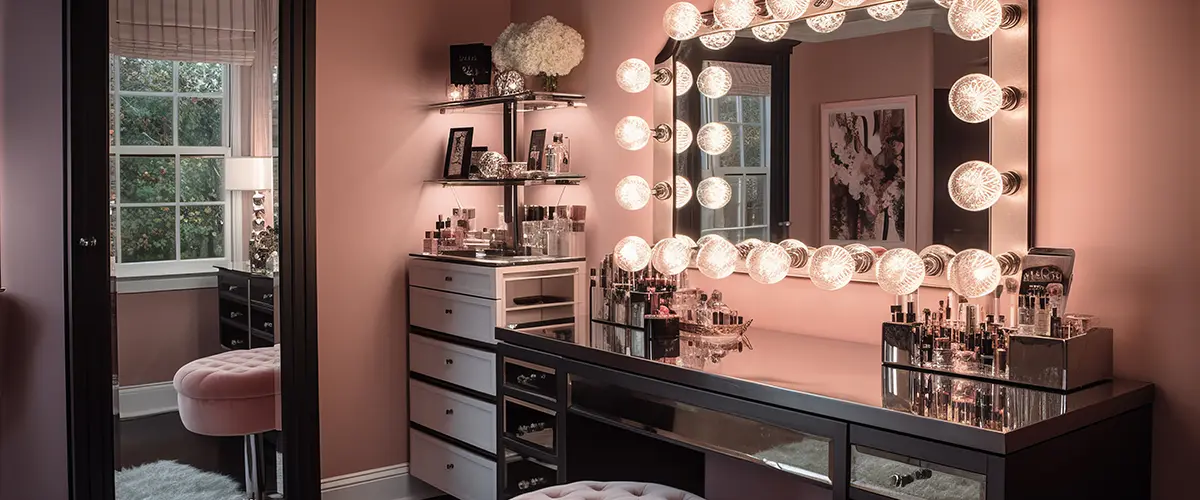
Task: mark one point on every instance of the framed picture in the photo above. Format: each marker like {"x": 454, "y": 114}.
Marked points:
{"x": 476, "y": 153}
{"x": 537, "y": 144}
{"x": 470, "y": 64}
{"x": 458, "y": 153}
{"x": 868, "y": 172}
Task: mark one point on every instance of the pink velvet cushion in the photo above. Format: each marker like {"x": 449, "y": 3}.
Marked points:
{"x": 593, "y": 490}
{"x": 230, "y": 394}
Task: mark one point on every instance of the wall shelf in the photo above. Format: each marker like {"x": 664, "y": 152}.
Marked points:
{"x": 560, "y": 180}
{"x": 523, "y": 102}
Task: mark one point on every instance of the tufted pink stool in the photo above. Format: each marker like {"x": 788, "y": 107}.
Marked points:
{"x": 235, "y": 393}
{"x": 594, "y": 490}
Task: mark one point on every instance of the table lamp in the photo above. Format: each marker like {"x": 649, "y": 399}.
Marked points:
{"x": 255, "y": 174}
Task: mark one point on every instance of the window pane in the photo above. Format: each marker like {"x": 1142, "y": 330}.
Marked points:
{"x": 147, "y": 179}
{"x": 145, "y": 75}
{"x": 200, "y": 179}
{"x": 752, "y": 108}
{"x": 755, "y": 200}
{"x": 147, "y": 234}
{"x": 112, "y": 204}
{"x": 727, "y": 109}
{"x": 203, "y": 78}
{"x": 146, "y": 121}
{"x": 752, "y": 141}
{"x": 202, "y": 232}
{"x": 200, "y": 121}
{"x": 734, "y": 209}
{"x": 732, "y": 157}
{"x": 112, "y": 119}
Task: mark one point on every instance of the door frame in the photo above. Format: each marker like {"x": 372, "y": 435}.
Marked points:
{"x": 91, "y": 447}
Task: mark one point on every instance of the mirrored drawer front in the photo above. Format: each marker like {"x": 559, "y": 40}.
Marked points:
{"x": 530, "y": 377}
{"x": 461, "y": 417}
{"x": 529, "y": 424}
{"x": 262, "y": 290}
{"x": 525, "y": 474}
{"x": 791, "y": 451}
{"x": 907, "y": 478}
{"x": 456, "y": 471}
{"x": 461, "y": 366}
{"x": 467, "y": 317}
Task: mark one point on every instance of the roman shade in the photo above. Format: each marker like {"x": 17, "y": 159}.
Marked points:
{"x": 213, "y": 31}
{"x": 748, "y": 79}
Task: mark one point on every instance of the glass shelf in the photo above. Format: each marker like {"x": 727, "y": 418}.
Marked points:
{"x": 525, "y": 102}
{"x": 560, "y": 180}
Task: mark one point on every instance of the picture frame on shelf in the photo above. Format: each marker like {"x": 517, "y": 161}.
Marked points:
{"x": 476, "y": 154}
{"x": 537, "y": 144}
{"x": 458, "y": 153}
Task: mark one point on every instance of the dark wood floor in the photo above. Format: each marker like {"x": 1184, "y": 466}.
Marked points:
{"x": 163, "y": 437}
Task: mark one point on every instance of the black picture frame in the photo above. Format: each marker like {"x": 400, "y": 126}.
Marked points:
{"x": 537, "y": 144}
{"x": 470, "y": 64}
{"x": 458, "y": 153}
{"x": 476, "y": 155}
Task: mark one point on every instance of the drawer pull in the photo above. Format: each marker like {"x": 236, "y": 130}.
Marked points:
{"x": 235, "y": 314}
{"x": 449, "y": 466}
{"x": 531, "y": 380}
{"x": 531, "y": 483}
{"x": 530, "y": 428}
{"x": 449, "y": 411}
{"x": 449, "y": 361}
{"x": 268, "y": 296}
{"x": 449, "y": 278}
{"x": 449, "y": 311}
{"x": 902, "y": 480}
{"x": 232, "y": 288}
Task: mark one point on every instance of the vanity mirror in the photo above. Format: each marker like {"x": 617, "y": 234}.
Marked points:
{"x": 853, "y": 127}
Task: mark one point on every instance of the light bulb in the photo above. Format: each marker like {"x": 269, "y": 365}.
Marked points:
{"x": 633, "y": 75}
{"x": 747, "y": 245}
{"x": 683, "y": 191}
{"x": 973, "y": 273}
{"x": 632, "y": 254}
{"x": 633, "y": 133}
{"x": 827, "y": 23}
{"x": 768, "y": 264}
{"x": 888, "y": 11}
{"x": 945, "y": 3}
{"x": 683, "y": 136}
{"x": 900, "y": 271}
{"x": 683, "y": 79}
{"x": 770, "y": 32}
{"x": 734, "y": 14}
{"x": 714, "y": 193}
{"x": 707, "y": 238}
{"x": 670, "y": 256}
{"x": 976, "y": 98}
{"x": 682, "y": 21}
{"x": 831, "y": 268}
{"x": 849, "y": 3}
{"x": 798, "y": 252}
{"x": 976, "y": 186}
{"x": 864, "y": 257}
{"x": 714, "y": 138}
{"x": 936, "y": 258}
{"x": 975, "y": 20}
{"x": 687, "y": 240}
{"x": 714, "y": 82}
{"x": 633, "y": 193}
{"x": 717, "y": 257}
{"x": 787, "y": 10}
{"x": 718, "y": 41}
{"x": 490, "y": 163}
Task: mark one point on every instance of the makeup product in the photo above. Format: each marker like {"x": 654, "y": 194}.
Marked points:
{"x": 1048, "y": 272}
{"x": 1056, "y": 330}
{"x": 943, "y": 354}
{"x": 1078, "y": 324}
{"x": 1001, "y": 361}
{"x": 1041, "y": 320}
{"x": 1025, "y": 324}
{"x": 430, "y": 244}
{"x": 911, "y": 316}
{"x": 897, "y": 316}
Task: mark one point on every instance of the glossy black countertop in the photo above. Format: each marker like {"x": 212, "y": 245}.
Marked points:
{"x": 847, "y": 381}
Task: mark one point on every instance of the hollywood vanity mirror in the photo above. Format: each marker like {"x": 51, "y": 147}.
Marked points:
{"x": 853, "y": 126}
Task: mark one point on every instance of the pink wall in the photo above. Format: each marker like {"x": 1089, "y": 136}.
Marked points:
{"x": 159, "y": 332}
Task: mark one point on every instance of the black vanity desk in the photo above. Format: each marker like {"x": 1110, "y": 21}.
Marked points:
{"x": 246, "y": 303}
{"x": 826, "y": 411}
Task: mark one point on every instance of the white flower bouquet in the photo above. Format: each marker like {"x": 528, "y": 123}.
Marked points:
{"x": 546, "y": 47}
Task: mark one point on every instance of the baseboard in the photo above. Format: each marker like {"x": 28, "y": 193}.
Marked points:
{"x": 149, "y": 399}
{"x": 387, "y": 483}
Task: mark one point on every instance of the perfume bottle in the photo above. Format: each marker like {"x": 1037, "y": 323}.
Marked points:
{"x": 1042, "y": 319}
{"x": 703, "y": 314}
{"x": 430, "y": 244}
{"x": 558, "y": 155}
{"x": 1025, "y": 322}
{"x": 721, "y": 313}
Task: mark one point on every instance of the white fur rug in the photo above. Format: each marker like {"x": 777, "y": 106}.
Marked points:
{"x": 168, "y": 480}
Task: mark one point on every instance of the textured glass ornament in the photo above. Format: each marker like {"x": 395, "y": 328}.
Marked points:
{"x": 683, "y": 79}
{"x": 888, "y": 11}
{"x": 632, "y": 254}
{"x": 734, "y": 14}
{"x": 714, "y": 193}
{"x": 490, "y": 163}
{"x": 682, "y": 21}
{"x": 718, "y": 41}
{"x": 714, "y": 138}
{"x": 633, "y": 193}
{"x": 671, "y": 256}
{"x": 900, "y": 271}
{"x": 683, "y": 136}
{"x": 975, "y": 20}
{"x": 973, "y": 273}
{"x": 683, "y": 191}
{"x": 976, "y": 98}
{"x": 717, "y": 257}
{"x": 976, "y": 186}
{"x": 768, "y": 263}
{"x": 714, "y": 82}
{"x": 827, "y": 23}
{"x": 770, "y": 32}
{"x": 509, "y": 83}
{"x": 633, "y": 133}
{"x": 787, "y": 10}
{"x": 633, "y": 75}
{"x": 831, "y": 268}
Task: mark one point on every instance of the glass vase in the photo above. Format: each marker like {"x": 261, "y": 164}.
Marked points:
{"x": 549, "y": 82}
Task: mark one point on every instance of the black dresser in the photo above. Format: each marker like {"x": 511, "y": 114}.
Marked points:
{"x": 247, "y": 309}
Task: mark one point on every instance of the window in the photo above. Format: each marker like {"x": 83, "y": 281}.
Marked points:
{"x": 169, "y": 139}
{"x": 745, "y": 165}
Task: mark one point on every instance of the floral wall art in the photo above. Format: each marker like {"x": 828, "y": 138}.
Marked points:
{"x": 868, "y": 167}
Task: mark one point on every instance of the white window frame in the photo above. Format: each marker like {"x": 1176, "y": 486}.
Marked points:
{"x": 712, "y": 166}
{"x": 177, "y": 266}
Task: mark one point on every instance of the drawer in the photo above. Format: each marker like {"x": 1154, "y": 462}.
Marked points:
{"x": 461, "y": 366}
{"x": 885, "y": 465}
{"x": 523, "y": 474}
{"x": 457, "y": 278}
{"x": 461, "y": 417}
{"x": 530, "y": 377}
{"x": 453, "y": 314}
{"x": 233, "y": 310}
{"x": 232, "y": 283}
{"x": 233, "y": 337}
{"x": 462, "y": 474}
{"x": 262, "y": 290}
{"x": 262, "y": 320}
{"x": 530, "y": 424}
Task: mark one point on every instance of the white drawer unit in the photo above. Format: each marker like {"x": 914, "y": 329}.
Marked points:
{"x": 461, "y": 417}
{"x": 457, "y": 278}
{"x": 462, "y": 474}
{"x": 462, "y": 366}
{"x": 454, "y": 314}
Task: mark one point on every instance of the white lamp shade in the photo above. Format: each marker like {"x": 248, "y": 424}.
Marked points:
{"x": 249, "y": 174}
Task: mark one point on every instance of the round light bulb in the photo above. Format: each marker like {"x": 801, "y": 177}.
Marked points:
{"x": 936, "y": 258}
{"x": 974, "y": 273}
{"x": 888, "y": 11}
{"x": 976, "y": 186}
{"x": 707, "y": 238}
{"x": 671, "y": 256}
{"x": 770, "y": 32}
{"x": 490, "y": 163}
{"x": 768, "y": 263}
{"x": 787, "y": 10}
{"x": 633, "y": 75}
{"x": 683, "y": 79}
{"x": 633, "y": 133}
{"x": 714, "y": 82}
{"x": 632, "y": 254}
{"x": 714, "y": 138}
{"x": 900, "y": 271}
{"x": 831, "y": 267}
{"x": 682, "y": 21}
{"x": 633, "y": 193}
{"x": 683, "y": 136}
{"x": 976, "y": 98}
{"x": 683, "y": 191}
{"x": 864, "y": 257}
{"x": 827, "y": 23}
{"x": 718, "y": 41}
{"x": 798, "y": 252}
{"x": 687, "y": 240}
{"x": 975, "y": 20}
{"x": 714, "y": 193}
{"x": 734, "y": 14}
{"x": 717, "y": 257}
{"x": 849, "y": 3}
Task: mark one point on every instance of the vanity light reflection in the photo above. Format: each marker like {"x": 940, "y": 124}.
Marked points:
{"x": 714, "y": 82}
{"x": 888, "y": 11}
{"x": 787, "y": 10}
{"x": 827, "y": 23}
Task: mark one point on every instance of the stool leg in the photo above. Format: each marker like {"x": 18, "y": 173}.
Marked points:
{"x": 254, "y": 467}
